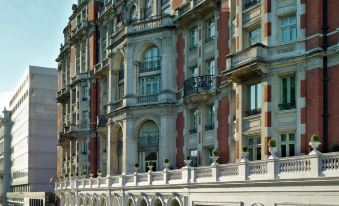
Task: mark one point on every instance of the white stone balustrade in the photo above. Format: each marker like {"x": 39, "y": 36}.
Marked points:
{"x": 299, "y": 167}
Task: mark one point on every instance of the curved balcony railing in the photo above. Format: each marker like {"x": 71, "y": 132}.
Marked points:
{"x": 199, "y": 84}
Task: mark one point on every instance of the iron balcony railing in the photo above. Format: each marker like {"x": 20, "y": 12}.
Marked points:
{"x": 199, "y": 84}
{"x": 151, "y": 65}
{"x": 287, "y": 106}
{"x": 116, "y": 105}
{"x": 250, "y": 3}
{"x": 253, "y": 112}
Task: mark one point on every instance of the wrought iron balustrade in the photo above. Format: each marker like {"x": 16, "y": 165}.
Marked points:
{"x": 199, "y": 84}
{"x": 152, "y": 65}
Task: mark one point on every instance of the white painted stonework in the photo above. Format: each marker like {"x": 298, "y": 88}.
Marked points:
{"x": 303, "y": 180}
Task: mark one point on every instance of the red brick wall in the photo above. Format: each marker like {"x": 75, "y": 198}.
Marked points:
{"x": 313, "y": 103}
{"x": 313, "y": 22}
{"x": 223, "y": 130}
{"x": 333, "y": 89}
{"x": 180, "y": 123}
{"x": 180, "y": 62}
{"x": 223, "y": 32}
{"x": 94, "y": 154}
{"x": 176, "y": 3}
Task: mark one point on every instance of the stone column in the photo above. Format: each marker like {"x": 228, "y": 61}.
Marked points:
{"x": 109, "y": 149}
{"x": 129, "y": 150}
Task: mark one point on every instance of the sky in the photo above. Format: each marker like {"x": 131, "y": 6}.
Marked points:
{"x": 30, "y": 34}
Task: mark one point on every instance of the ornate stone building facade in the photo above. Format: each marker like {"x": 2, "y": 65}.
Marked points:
{"x": 141, "y": 81}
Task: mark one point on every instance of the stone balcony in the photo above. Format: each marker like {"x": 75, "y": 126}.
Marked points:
{"x": 253, "y": 59}
{"x": 102, "y": 67}
{"x": 315, "y": 165}
{"x": 79, "y": 29}
{"x": 193, "y": 8}
{"x": 200, "y": 89}
{"x": 105, "y": 9}
{"x": 63, "y": 94}
{"x": 80, "y": 77}
{"x": 141, "y": 25}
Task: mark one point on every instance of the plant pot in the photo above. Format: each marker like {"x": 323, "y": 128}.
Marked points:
{"x": 188, "y": 163}
{"x": 99, "y": 174}
{"x": 214, "y": 160}
{"x": 150, "y": 167}
{"x": 273, "y": 151}
{"x": 244, "y": 156}
{"x": 136, "y": 169}
{"x": 166, "y": 164}
{"x": 314, "y": 146}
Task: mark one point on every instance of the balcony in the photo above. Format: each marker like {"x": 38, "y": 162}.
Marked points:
{"x": 200, "y": 88}
{"x": 116, "y": 105}
{"x": 102, "y": 67}
{"x": 250, "y": 3}
{"x": 196, "y": 7}
{"x": 63, "y": 94}
{"x": 148, "y": 66}
{"x": 79, "y": 29}
{"x": 80, "y": 77}
{"x": 102, "y": 121}
{"x": 154, "y": 98}
{"x": 141, "y": 25}
{"x": 303, "y": 168}
{"x": 73, "y": 130}
{"x": 287, "y": 106}
{"x": 105, "y": 9}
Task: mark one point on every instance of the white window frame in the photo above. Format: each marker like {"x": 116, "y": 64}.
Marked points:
{"x": 291, "y": 27}
{"x": 154, "y": 81}
{"x": 286, "y": 143}
{"x": 253, "y": 148}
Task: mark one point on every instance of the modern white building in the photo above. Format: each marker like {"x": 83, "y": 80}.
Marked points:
{"x": 32, "y": 134}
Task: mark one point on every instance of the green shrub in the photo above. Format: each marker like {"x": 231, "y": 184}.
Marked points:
{"x": 315, "y": 138}
{"x": 166, "y": 160}
{"x": 215, "y": 153}
{"x": 272, "y": 143}
{"x": 335, "y": 148}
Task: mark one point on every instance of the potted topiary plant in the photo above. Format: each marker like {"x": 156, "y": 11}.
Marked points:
{"x": 188, "y": 161}
{"x": 215, "y": 156}
{"x": 150, "y": 166}
{"x": 244, "y": 153}
{"x": 136, "y": 167}
{"x": 314, "y": 143}
{"x": 91, "y": 173}
{"x": 99, "y": 172}
{"x": 272, "y": 148}
{"x": 83, "y": 174}
{"x": 166, "y": 163}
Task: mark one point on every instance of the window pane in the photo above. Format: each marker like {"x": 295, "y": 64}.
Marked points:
{"x": 252, "y": 97}
{"x": 291, "y": 137}
{"x": 259, "y": 96}
{"x": 250, "y": 151}
{"x": 284, "y": 90}
{"x": 258, "y": 153}
{"x": 283, "y": 137}
{"x": 283, "y": 150}
{"x": 251, "y": 141}
{"x": 292, "y": 88}
{"x": 291, "y": 149}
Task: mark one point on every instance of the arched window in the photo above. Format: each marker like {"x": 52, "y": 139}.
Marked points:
{"x": 148, "y": 8}
{"x": 148, "y": 145}
{"x": 151, "y": 60}
{"x": 143, "y": 202}
{"x": 133, "y": 14}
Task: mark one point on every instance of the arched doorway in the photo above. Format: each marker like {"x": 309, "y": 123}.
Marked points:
{"x": 148, "y": 145}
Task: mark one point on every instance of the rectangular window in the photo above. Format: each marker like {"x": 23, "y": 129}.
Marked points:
{"x": 287, "y": 91}
{"x": 210, "y": 118}
{"x": 255, "y": 36}
{"x": 194, "y": 38}
{"x": 84, "y": 118}
{"x": 150, "y": 85}
{"x": 83, "y": 56}
{"x": 254, "y": 148}
{"x": 194, "y": 157}
{"x": 211, "y": 67}
{"x": 77, "y": 63}
{"x": 84, "y": 94}
{"x": 121, "y": 90}
{"x": 288, "y": 29}
{"x": 84, "y": 147}
{"x": 287, "y": 145}
{"x": 254, "y": 99}
{"x": 210, "y": 30}
{"x": 194, "y": 121}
